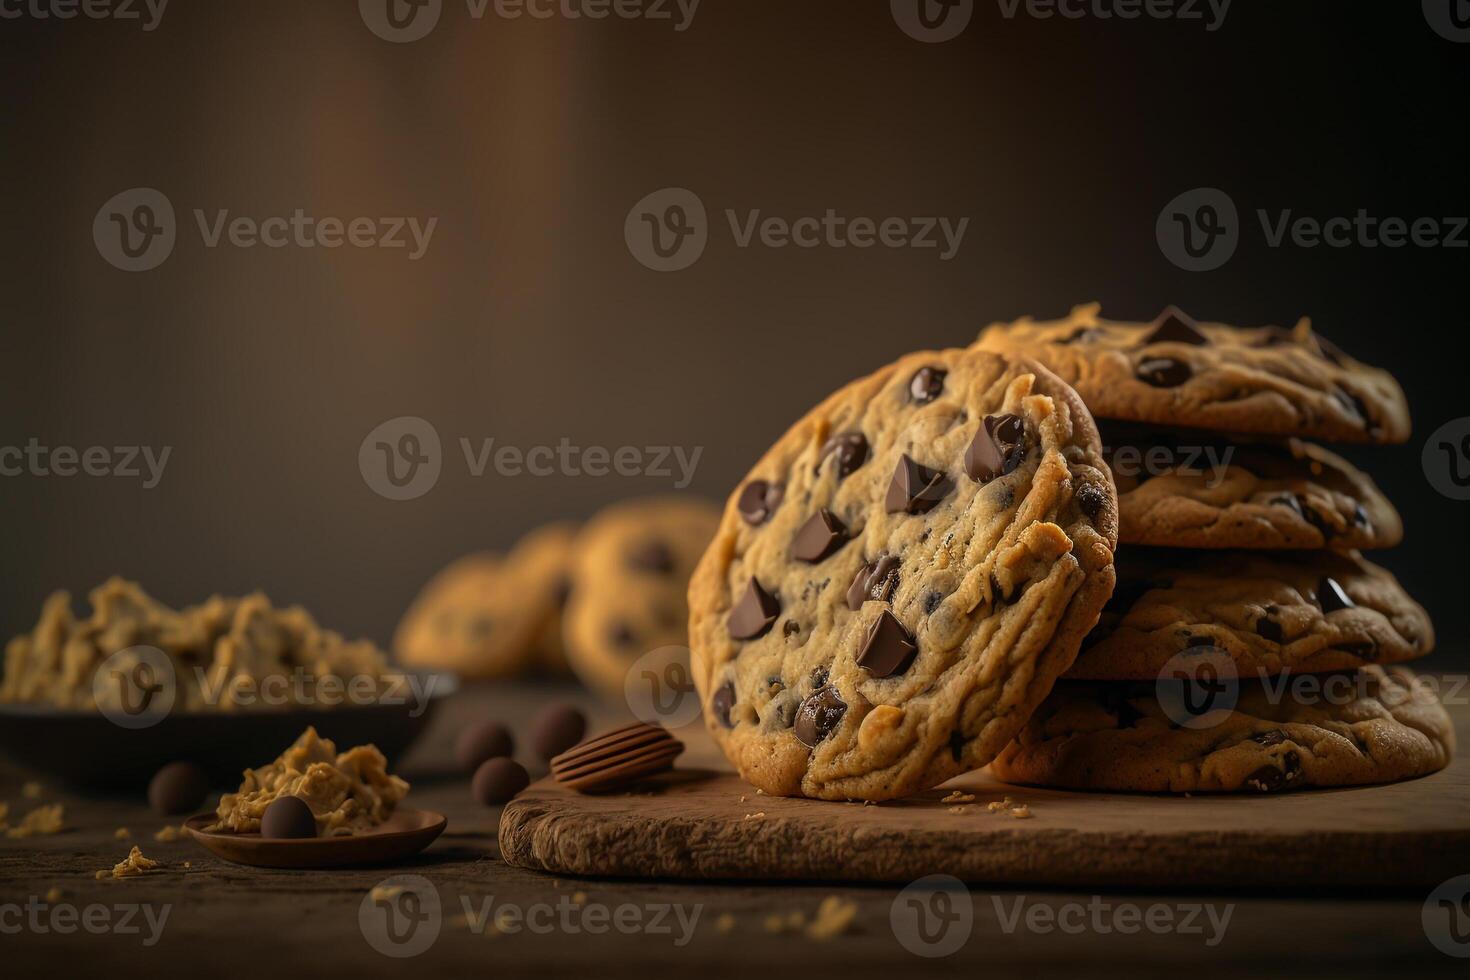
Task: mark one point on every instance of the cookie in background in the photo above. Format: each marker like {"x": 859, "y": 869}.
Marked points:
{"x": 630, "y": 578}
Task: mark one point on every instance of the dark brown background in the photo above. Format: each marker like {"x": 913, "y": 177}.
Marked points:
{"x": 529, "y": 321}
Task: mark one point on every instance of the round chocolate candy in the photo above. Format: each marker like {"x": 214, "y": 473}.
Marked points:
{"x": 498, "y": 780}
{"x": 288, "y": 818}
{"x": 482, "y": 740}
{"x": 179, "y": 787}
{"x": 557, "y": 729}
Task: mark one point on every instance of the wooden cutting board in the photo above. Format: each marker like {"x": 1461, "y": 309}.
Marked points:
{"x": 708, "y": 824}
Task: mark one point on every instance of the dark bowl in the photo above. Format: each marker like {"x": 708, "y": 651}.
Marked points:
{"x": 88, "y": 752}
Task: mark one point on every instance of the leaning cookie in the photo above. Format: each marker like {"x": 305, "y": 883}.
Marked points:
{"x": 468, "y": 620}
{"x": 899, "y": 580}
{"x": 1269, "y": 611}
{"x": 630, "y": 578}
{"x": 1173, "y": 371}
{"x": 1183, "y": 490}
{"x": 1378, "y": 727}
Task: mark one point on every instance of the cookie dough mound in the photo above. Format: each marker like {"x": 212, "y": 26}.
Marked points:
{"x": 1182, "y": 490}
{"x": 1174, "y": 371}
{"x": 899, "y": 580}
{"x": 630, "y": 578}
{"x": 486, "y": 616}
{"x": 1269, "y": 611}
{"x": 347, "y": 793}
{"x": 222, "y": 651}
{"x": 1382, "y": 726}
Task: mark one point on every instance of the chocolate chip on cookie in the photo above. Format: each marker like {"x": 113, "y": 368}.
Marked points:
{"x": 1331, "y": 597}
{"x": 818, "y": 715}
{"x": 926, "y": 385}
{"x": 997, "y": 449}
{"x": 888, "y": 649}
{"x": 850, "y": 449}
{"x": 753, "y": 615}
{"x": 915, "y": 488}
{"x": 651, "y": 556}
{"x": 759, "y": 500}
{"x": 1173, "y": 326}
{"x": 875, "y": 580}
{"x": 1164, "y": 372}
{"x": 722, "y": 702}
{"x": 819, "y": 537}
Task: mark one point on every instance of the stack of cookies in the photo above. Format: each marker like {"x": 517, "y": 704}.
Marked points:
{"x": 593, "y": 598}
{"x": 1247, "y": 646}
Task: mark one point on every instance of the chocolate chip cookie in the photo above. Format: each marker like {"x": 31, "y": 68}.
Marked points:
{"x": 629, "y": 585}
{"x": 1269, "y": 611}
{"x": 899, "y": 580}
{"x": 1174, "y": 371}
{"x": 1378, "y": 727}
{"x": 541, "y": 563}
{"x": 1183, "y": 490}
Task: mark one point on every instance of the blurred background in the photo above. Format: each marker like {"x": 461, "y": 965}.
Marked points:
{"x": 529, "y": 320}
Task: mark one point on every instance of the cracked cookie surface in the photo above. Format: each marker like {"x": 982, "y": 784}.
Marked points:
{"x": 1378, "y": 727}
{"x": 900, "y": 579}
{"x": 630, "y": 581}
{"x": 1174, "y": 371}
{"x": 1181, "y": 490}
{"x": 1271, "y": 612}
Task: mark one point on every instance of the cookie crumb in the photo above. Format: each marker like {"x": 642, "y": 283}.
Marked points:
{"x": 833, "y": 917}
{"x": 579, "y": 898}
{"x": 53, "y": 894}
{"x": 132, "y": 866}
{"x": 44, "y": 819}
{"x": 384, "y": 893}
{"x": 121, "y": 833}
{"x": 958, "y": 809}
{"x": 758, "y": 815}
{"x": 1022, "y": 812}
{"x": 171, "y": 833}
{"x": 958, "y": 797}
{"x": 998, "y": 806}
{"x": 725, "y": 923}
{"x": 742, "y": 799}
{"x": 188, "y": 864}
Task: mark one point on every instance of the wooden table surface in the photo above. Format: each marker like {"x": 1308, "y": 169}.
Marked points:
{"x": 224, "y": 920}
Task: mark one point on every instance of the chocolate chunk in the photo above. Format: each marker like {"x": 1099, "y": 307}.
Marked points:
{"x": 1164, "y": 372}
{"x": 759, "y": 500}
{"x": 561, "y": 591}
{"x": 932, "y": 600}
{"x": 850, "y": 448}
{"x": 722, "y": 701}
{"x": 819, "y": 537}
{"x": 957, "y": 742}
{"x": 1330, "y": 351}
{"x": 1331, "y": 597}
{"x": 1269, "y": 779}
{"x": 651, "y": 556}
{"x": 498, "y": 780}
{"x": 482, "y": 740}
{"x": 754, "y": 613}
{"x": 790, "y": 628}
{"x": 1354, "y": 406}
{"x": 1289, "y": 502}
{"x": 1091, "y": 498}
{"x": 915, "y": 489}
{"x": 1270, "y": 630}
{"x": 287, "y": 818}
{"x": 889, "y": 648}
{"x": 557, "y": 728}
{"x": 997, "y": 449}
{"x": 1175, "y": 326}
{"x": 818, "y": 715}
{"x": 1274, "y": 737}
{"x": 926, "y": 385}
{"x": 1317, "y": 519}
{"x": 179, "y": 787}
{"x": 620, "y": 634}
{"x": 1367, "y": 649}
{"x": 876, "y": 580}
{"x": 1360, "y": 516}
